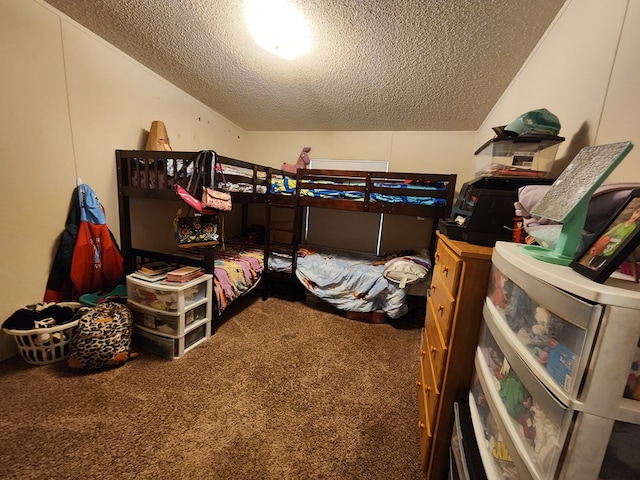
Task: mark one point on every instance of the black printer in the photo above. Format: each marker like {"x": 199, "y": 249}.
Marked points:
{"x": 484, "y": 211}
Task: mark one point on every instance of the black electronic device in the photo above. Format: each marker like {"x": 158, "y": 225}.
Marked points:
{"x": 484, "y": 211}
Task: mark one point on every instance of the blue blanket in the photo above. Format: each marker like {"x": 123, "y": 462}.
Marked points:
{"x": 350, "y": 281}
{"x": 287, "y": 186}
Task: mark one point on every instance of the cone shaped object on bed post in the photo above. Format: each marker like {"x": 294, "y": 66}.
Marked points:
{"x": 158, "y": 138}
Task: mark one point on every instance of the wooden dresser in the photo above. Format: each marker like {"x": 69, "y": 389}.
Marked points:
{"x": 454, "y": 314}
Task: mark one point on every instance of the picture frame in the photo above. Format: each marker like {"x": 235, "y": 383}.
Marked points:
{"x": 613, "y": 244}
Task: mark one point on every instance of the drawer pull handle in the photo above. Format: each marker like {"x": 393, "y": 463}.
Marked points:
{"x": 418, "y": 383}
{"x": 420, "y": 425}
{"x": 423, "y": 352}
{"x": 434, "y": 350}
{"x": 445, "y": 269}
{"x": 440, "y": 308}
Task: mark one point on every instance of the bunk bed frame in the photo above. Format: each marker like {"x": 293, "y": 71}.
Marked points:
{"x": 153, "y": 174}
{"x": 358, "y": 191}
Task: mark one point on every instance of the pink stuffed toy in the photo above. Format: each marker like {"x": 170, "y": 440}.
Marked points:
{"x": 303, "y": 161}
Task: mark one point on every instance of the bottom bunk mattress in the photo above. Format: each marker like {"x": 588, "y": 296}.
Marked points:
{"x": 359, "y": 282}
{"x": 237, "y": 269}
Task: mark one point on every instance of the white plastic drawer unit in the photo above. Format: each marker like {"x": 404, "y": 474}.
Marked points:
{"x": 551, "y": 329}
{"x": 535, "y": 421}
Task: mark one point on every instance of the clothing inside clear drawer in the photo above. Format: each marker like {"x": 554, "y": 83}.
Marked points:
{"x": 493, "y": 441}
{"x": 554, "y": 342}
{"x": 537, "y": 429}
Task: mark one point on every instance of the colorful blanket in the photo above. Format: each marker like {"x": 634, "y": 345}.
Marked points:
{"x": 237, "y": 269}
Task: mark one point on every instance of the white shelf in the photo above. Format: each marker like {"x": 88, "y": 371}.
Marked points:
{"x": 629, "y": 411}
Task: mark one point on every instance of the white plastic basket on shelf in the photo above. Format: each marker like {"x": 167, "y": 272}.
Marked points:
{"x": 42, "y": 346}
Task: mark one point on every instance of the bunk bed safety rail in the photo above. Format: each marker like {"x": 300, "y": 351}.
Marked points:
{"x": 380, "y": 192}
{"x": 247, "y": 179}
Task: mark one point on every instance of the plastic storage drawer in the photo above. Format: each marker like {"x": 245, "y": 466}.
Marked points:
{"x": 537, "y": 422}
{"x": 170, "y": 324}
{"x": 171, "y": 348}
{"x": 168, "y": 297}
{"x": 499, "y": 456}
{"x": 556, "y": 340}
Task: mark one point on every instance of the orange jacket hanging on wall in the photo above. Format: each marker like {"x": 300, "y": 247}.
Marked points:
{"x": 94, "y": 262}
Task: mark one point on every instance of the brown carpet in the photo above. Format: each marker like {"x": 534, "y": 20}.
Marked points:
{"x": 280, "y": 391}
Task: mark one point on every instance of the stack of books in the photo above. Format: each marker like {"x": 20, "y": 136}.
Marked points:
{"x": 184, "y": 274}
{"x": 152, "y": 272}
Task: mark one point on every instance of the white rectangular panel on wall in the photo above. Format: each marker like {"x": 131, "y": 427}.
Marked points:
{"x": 358, "y": 165}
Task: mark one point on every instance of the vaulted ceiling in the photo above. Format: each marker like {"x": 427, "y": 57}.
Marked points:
{"x": 374, "y": 65}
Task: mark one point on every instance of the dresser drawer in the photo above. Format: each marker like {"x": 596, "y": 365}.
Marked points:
{"x": 448, "y": 265}
{"x": 431, "y": 391}
{"x": 442, "y": 305}
{"x": 425, "y": 432}
{"x": 434, "y": 346}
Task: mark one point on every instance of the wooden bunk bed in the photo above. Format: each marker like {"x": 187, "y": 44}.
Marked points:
{"x": 421, "y": 195}
{"x": 146, "y": 175}
{"x": 152, "y": 175}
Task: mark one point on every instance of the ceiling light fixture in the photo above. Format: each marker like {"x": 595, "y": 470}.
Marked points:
{"x": 278, "y": 27}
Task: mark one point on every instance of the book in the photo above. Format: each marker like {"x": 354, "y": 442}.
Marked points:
{"x": 155, "y": 268}
{"x": 148, "y": 278}
{"x": 184, "y": 274}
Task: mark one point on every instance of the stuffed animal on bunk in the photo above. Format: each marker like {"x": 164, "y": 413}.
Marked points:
{"x": 303, "y": 162}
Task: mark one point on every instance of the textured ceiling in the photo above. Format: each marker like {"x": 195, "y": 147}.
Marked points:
{"x": 411, "y": 65}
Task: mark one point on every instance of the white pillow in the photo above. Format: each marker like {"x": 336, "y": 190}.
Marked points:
{"x": 407, "y": 270}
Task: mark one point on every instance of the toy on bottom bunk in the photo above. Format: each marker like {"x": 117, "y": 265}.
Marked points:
{"x": 303, "y": 162}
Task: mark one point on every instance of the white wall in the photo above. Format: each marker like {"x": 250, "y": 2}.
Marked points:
{"x": 585, "y": 70}
{"x": 69, "y": 100}
{"x": 423, "y": 152}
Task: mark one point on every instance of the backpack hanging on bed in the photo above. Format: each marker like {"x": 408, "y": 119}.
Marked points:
{"x": 103, "y": 337}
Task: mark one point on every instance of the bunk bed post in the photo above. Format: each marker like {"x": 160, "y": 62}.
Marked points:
{"x": 123, "y": 172}
{"x": 297, "y": 227}
{"x": 451, "y": 193}
{"x": 267, "y": 240}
